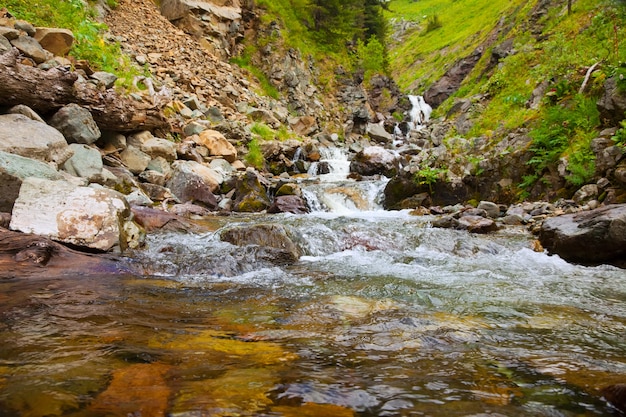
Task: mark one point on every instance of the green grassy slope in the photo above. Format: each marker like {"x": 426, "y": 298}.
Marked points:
{"x": 421, "y": 55}
{"x": 554, "y": 50}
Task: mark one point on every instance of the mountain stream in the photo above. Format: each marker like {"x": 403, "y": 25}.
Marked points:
{"x": 382, "y": 315}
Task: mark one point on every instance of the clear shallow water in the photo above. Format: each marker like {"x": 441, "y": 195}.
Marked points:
{"x": 381, "y": 316}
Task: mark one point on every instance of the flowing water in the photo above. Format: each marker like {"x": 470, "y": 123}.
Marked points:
{"x": 382, "y": 315}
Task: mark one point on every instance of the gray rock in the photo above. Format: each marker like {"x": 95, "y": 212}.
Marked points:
{"x": 76, "y": 124}
{"x": 31, "y": 48}
{"x": 586, "y": 193}
{"x": 193, "y": 128}
{"x": 492, "y": 209}
{"x": 612, "y": 104}
{"x": 26, "y": 111}
{"x": 25, "y": 26}
{"x": 378, "y": 133}
{"x": 134, "y": 159}
{"x": 23, "y": 136}
{"x": 14, "y": 169}
{"x": 5, "y": 45}
{"x": 194, "y": 182}
{"x": 9, "y": 33}
{"x": 593, "y": 236}
{"x": 105, "y": 78}
{"x": 157, "y": 147}
{"x": 83, "y": 216}
{"x": 86, "y": 162}
{"x": 160, "y": 165}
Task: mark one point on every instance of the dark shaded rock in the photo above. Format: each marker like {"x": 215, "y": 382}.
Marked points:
{"x": 375, "y": 160}
{"x": 250, "y": 194}
{"x": 397, "y": 190}
{"x": 269, "y": 236}
{"x": 154, "y": 219}
{"x": 594, "y": 236}
{"x": 612, "y": 104}
{"x": 194, "y": 182}
{"x": 616, "y": 395}
{"x": 76, "y": 124}
{"x": 288, "y": 204}
{"x": 451, "y": 81}
{"x": 28, "y": 255}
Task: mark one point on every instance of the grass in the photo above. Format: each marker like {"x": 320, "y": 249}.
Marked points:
{"x": 456, "y": 29}
{"x": 89, "y": 42}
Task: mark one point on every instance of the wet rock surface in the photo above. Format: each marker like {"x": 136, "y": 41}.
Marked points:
{"x": 594, "y": 236}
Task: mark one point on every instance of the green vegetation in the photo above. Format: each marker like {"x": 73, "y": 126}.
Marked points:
{"x": 446, "y": 31}
{"x": 244, "y": 61}
{"x": 620, "y": 136}
{"x": 330, "y": 32}
{"x": 254, "y": 157}
{"x": 266, "y": 133}
{"x": 80, "y": 19}
{"x": 552, "y": 55}
{"x": 565, "y": 129}
{"x": 429, "y": 176}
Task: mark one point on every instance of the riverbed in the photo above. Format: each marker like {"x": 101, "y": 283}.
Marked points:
{"x": 382, "y": 315}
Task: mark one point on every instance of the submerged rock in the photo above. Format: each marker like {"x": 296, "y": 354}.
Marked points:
{"x": 272, "y": 236}
{"x": 588, "y": 237}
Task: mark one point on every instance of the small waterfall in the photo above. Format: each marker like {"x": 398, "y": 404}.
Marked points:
{"x": 420, "y": 112}
{"x": 332, "y": 166}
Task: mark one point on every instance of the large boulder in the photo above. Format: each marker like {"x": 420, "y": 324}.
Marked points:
{"x": 85, "y": 162}
{"x": 194, "y": 182}
{"x": 14, "y": 169}
{"x": 90, "y": 217}
{"x": 56, "y": 40}
{"x": 250, "y": 193}
{"x": 375, "y": 160}
{"x": 23, "y": 136}
{"x": 217, "y": 144}
{"x": 76, "y": 124}
{"x": 594, "y": 236}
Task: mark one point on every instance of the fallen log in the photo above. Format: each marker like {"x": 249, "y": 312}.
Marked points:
{"x": 27, "y": 255}
{"x": 46, "y": 91}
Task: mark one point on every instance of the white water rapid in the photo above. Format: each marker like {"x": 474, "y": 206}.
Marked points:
{"x": 333, "y": 192}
